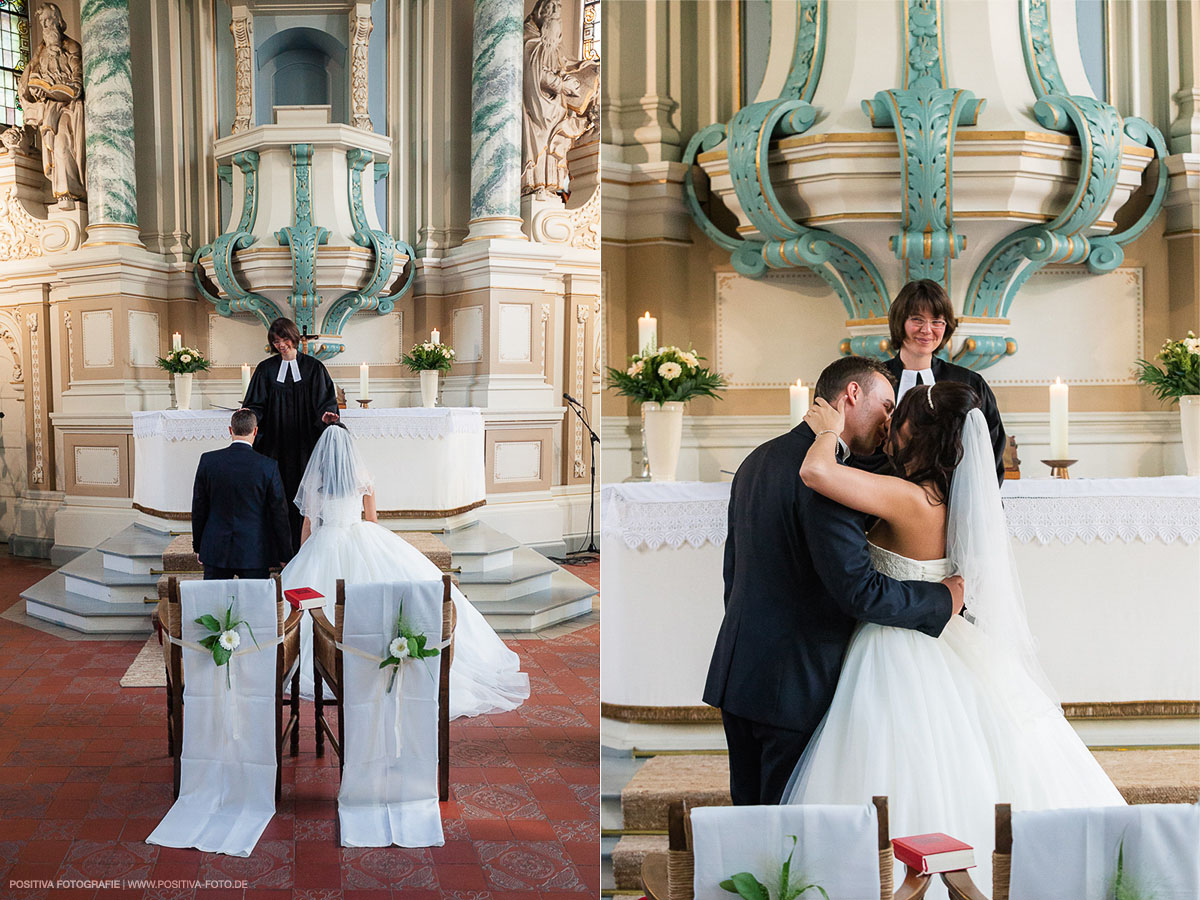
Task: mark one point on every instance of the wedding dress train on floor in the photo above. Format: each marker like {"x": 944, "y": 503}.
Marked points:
{"x": 485, "y": 675}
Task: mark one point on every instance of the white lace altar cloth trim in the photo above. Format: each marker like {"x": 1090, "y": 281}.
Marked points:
{"x": 1105, "y": 509}
{"x": 673, "y": 514}
{"x": 418, "y": 422}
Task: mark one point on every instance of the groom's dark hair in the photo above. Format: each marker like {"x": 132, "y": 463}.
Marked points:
{"x": 841, "y": 372}
{"x": 243, "y": 422}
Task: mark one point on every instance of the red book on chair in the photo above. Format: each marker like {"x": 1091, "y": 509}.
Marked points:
{"x": 304, "y": 598}
{"x": 931, "y": 853}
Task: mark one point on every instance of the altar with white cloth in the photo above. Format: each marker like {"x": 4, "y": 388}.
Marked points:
{"x": 428, "y": 464}
{"x": 1109, "y": 568}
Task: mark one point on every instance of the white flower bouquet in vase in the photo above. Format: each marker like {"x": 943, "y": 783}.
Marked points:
{"x": 662, "y": 381}
{"x": 1179, "y": 380}
{"x": 182, "y": 362}
{"x": 427, "y": 359}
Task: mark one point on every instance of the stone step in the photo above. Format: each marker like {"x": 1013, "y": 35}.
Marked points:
{"x": 529, "y": 573}
{"x": 87, "y": 576}
{"x": 136, "y": 550}
{"x": 1160, "y": 775}
{"x": 50, "y": 601}
{"x": 432, "y": 547}
{"x": 480, "y": 548}
{"x": 566, "y": 598}
{"x": 628, "y": 855}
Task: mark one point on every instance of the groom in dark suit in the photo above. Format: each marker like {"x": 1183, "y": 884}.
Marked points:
{"x": 239, "y": 512}
{"x": 798, "y": 578}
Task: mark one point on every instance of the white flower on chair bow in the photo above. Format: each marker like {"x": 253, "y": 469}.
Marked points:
{"x": 748, "y": 887}
{"x": 407, "y": 644}
{"x": 224, "y": 639}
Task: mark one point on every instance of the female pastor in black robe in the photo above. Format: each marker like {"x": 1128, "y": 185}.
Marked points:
{"x": 291, "y": 414}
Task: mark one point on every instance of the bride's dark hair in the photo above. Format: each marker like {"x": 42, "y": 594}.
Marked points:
{"x": 934, "y": 445}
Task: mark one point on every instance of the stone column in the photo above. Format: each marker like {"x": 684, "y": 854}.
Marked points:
{"x": 496, "y": 88}
{"x": 108, "y": 118}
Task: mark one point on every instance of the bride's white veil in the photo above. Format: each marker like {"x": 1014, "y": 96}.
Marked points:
{"x": 978, "y": 545}
{"x": 335, "y": 471}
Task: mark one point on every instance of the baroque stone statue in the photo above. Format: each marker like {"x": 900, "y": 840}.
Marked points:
{"x": 51, "y": 90}
{"x": 560, "y": 102}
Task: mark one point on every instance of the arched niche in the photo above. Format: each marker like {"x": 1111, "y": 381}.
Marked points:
{"x": 301, "y": 66}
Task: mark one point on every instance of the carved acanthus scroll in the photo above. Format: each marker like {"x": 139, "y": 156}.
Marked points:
{"x": 360, "y": 44}
{"x": 242, "y": 28}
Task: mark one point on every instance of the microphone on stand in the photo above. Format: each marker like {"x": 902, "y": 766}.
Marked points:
{"x": 571, "y": 399}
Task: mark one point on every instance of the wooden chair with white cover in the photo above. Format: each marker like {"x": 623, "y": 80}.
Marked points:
{"x": 287, "y": 728}
{"x": 1144, "y": 850}
{"x": 328, "y": 674}
{"x": 845, "y": 849}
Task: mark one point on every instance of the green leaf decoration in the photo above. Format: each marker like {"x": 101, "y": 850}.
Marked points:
{"x": 209, "y": 622}
{"x": 749, "y": 888}
{"x": 220, "y": 655}
{"x": 728, "y": 885}
{"x": 209, "y": 641}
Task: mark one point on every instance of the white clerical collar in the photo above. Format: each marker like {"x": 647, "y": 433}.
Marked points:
{"x": 908, "y": 380}
{"x": 284, "y": 364}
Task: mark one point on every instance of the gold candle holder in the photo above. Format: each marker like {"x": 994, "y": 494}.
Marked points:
{"x": 364, "y": 403}
{"x": 1058, "y": 467}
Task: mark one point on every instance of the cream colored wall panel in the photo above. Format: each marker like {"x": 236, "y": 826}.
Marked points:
{"x": 143, "y": 338}
{"x": 784, "y": 326}
{"x": 467, "y": 331}
{"x": 518, "y": 461}
{"x": 1068, "y": 324}
{"x": 98, "y": 466}
{"x": 98, "y": 349}
{"x": 373, "y": 339}
{"x": 516, "y": 323}
{"x": 236, "y": 340}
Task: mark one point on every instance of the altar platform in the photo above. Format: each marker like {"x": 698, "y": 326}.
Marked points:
{"x": 428, "y": 464}
{"x": 1109, "y": 568}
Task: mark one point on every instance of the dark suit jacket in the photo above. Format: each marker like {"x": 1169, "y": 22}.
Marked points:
{"x": 797, "y": 579}
{"x": 946, "y": 371}
{"x": 239, "y": 511}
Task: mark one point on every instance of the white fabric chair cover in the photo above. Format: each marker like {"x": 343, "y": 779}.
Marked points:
{"x": 389, "y": 795}
{"x": 227, "y": 783}
{"x": 837, "y": 848}
{"x": 1071, "y": 854}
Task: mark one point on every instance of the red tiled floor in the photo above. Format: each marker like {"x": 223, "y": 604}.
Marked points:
{"x": 84, "y": 777}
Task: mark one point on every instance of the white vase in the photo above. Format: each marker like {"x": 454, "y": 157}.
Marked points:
{"x": 1189, "y": 421}
{"x": 664, "y": 433}
{"x": 183, "y": 390}
{"x": 429, "y": 379}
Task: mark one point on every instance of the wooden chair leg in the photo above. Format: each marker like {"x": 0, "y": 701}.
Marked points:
{"x": 444, "y": 736}
{"x": 177, "y": 750}
{"x": 170, "y": 721}
{"x": 279, "y": 723}
{"x": 319, "y": 709}
{"x": 295, "y": 714}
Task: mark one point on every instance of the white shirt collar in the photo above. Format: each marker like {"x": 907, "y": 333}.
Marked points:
{"x": 843, "y": 452}
{"x": 283, "y": 367}
{"x": 233, "y": 442}
{"x": 908, "y": 380}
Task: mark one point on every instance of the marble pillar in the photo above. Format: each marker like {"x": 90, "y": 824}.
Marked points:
{"x": 496, "y": 88}
{"x": 108, "y": 89}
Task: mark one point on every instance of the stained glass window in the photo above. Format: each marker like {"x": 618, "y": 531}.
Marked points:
{"x": 591, "y": 30}
{"x": 14, "y": 54}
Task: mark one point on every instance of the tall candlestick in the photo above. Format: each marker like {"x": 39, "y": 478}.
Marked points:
{"x": 176, "y": 341}
{"x": 647, "y": 333}
{"x": 435, "y": 336}
{"x": 245, "y": 378}
{"x": 1058, "y": 420}
{"x": 798, "y": 396}
{"x": 364, "y": 378}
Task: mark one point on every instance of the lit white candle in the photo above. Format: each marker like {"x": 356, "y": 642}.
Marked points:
{"x": 176, "y": 341}
{"x": 1058, "y": 420}
{"x": 245, "y": 378}
{"x": 647, "y": 333}
{"x": 435, "y": 336}
{"x": 364, "y": 378}
{"x": 798, "y": 395}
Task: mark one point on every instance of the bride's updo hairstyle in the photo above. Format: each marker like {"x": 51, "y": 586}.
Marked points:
{"x": 935, "y": 415}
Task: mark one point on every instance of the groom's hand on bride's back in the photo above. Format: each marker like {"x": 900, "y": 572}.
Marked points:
{"x": 955, "y": 584}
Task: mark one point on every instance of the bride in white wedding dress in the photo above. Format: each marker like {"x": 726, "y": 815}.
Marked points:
{"x": 335, "y": 494}
{"x": 946, "y": 727}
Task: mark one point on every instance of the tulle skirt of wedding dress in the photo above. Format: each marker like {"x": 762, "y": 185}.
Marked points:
{"x": 485, "y": 675}
{"x": 945, "y": 728}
